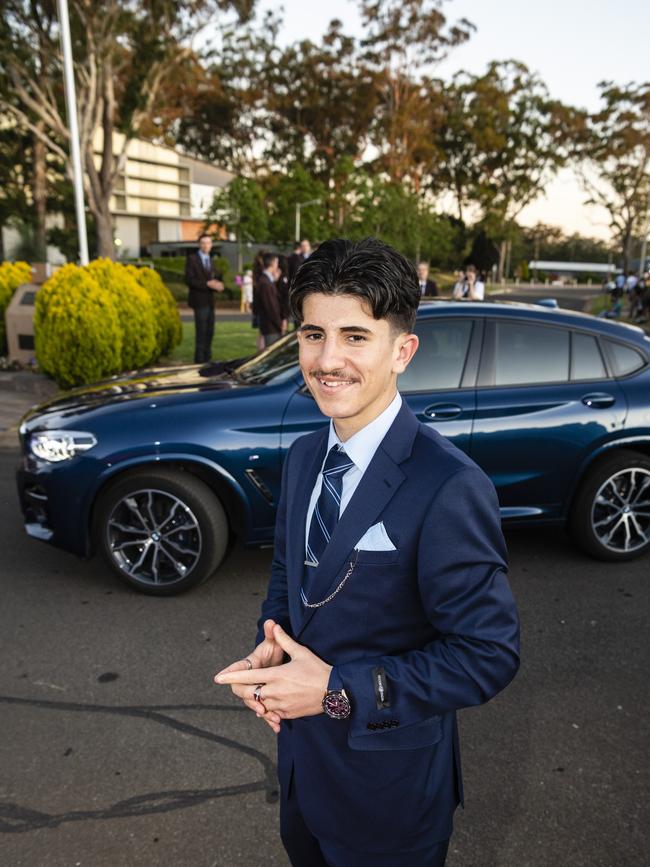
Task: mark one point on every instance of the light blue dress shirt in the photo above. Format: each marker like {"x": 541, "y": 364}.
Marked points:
{"x": 360, "y": 448}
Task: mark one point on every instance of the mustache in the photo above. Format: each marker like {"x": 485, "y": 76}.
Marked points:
{"x": 332, "y": 374}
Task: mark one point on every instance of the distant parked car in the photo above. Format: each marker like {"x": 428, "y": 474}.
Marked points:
{"x": 161, "y": 470}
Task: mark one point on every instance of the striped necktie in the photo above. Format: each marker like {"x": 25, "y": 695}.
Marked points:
{"x": 326, "y": 512}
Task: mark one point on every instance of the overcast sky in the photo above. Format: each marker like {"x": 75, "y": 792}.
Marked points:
{"x": 572, "y": 44}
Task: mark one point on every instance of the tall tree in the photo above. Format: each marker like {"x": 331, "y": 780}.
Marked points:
{"x": 285, "y": 190}
{"x": 124, "y": 51}
{"x": 506, "y": 140}
{"x": 320, "y": 102}
{"x": 403, "y": 39}
{"x": 15, "y": 200}
{"x": 242, "y": 207}
{"x": 616, "y": 161}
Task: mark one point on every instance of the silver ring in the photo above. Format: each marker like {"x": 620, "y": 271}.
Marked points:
{"x": 250, "y": 664}
{"x": 257, "y": 692}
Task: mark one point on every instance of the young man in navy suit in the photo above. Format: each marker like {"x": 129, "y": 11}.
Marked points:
{"x": 202, "y": 281}
{"x": 388, "y": 606}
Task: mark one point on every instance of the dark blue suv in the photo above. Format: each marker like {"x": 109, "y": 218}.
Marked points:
{"x": 160, "y": 470}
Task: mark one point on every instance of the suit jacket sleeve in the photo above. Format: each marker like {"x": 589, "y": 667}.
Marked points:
{"x": 461, "y": 563}
{"x": 267, "y": 306}
{"x": 276, "y": 604}
{"x": 195, "y": 274}
{"x": 196, "y": 277}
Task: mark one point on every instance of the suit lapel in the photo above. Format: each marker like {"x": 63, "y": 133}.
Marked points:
{"x": 378, "y": 486}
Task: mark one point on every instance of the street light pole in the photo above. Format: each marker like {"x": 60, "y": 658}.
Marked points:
{"x": 300, "y": 205}
{"x": 73, "y": 127}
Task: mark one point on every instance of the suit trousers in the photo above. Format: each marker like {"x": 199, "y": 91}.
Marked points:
{"x": 306, "y": 850}
{"x": 204, "y": 325}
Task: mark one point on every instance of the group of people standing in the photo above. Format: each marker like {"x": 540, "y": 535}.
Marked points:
{"x": 636, "y": 289}
{"x": 468, "y": 286}
{"x": 266, "y": 291}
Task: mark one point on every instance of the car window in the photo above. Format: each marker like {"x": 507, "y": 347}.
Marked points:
{"x": 624, "y": 359}
{"x": 440, "y": 358}
{"x": 586, "y": 360}
{"x": 279, "y": 361}
{"x": 528, "y": 354}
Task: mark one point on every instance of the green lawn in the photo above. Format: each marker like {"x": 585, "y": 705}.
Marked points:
{"x": 231, "y": 340}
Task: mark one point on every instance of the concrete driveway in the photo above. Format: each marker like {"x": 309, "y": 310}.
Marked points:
{"x": 117, "y": 749}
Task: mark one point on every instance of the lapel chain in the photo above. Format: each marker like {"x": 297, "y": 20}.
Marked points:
{"x": 353, "y": 563}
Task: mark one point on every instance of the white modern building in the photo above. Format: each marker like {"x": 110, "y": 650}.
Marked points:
{"x": 161, "y": 195}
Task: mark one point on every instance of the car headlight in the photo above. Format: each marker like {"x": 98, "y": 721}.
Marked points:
{"x": 60, "y": 445}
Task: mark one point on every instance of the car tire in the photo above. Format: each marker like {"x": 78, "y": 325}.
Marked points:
{"x": 161, "y": 531}
{"x": 610, "y": 517}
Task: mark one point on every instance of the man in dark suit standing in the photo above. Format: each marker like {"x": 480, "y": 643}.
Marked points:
{"x": 427, "y": 287}
{"x": 266, "y": 300}
{"x": 202, "y": 281}
{"x": 388, "y": 607}
{"x": 295, "y": 260}
{"x": 301, "y": 252}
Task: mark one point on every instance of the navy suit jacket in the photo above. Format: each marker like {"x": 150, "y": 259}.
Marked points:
{"x": 436, "y": 614}
{"x": 196, "y": 278}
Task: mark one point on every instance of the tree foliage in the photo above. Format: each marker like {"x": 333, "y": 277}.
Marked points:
{"x": 616, "y": 153}
{"x": 124, "y": 51}
{"x": 241, "y": 205}
{"x": 505, "y": 140}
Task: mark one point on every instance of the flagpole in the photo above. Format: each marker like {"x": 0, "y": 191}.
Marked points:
{"x": 73, "y": 127}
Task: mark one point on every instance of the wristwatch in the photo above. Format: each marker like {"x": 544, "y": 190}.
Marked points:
{"x": 336, "y": 704}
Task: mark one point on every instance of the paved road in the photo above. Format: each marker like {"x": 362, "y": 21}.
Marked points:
{"x": 117, "y": 750}
{"x": 567, "y": 297}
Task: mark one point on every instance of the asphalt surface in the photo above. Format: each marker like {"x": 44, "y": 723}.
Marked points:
{"x": 117, "y": 749}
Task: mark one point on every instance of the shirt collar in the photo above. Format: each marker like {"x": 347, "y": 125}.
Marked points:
{"x": 361, "y": 447}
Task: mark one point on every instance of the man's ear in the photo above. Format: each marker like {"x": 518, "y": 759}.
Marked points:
{"x": 405, "y": 346}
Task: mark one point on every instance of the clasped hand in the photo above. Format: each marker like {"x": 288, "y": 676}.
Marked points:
{"x": 289, "y": 689}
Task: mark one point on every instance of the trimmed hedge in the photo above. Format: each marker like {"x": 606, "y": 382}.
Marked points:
{"x": 135, "y": 309}
{"x": 12, "y": 275}
{"x": 100, "y": 320}
{"x": 168, "y": 326}
{"x": 78, "y": 334}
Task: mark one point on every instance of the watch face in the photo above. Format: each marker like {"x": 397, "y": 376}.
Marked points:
{"x": 336, "y": 704}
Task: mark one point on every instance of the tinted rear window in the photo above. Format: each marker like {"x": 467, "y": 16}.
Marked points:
{"x": 586, "y": 360}
{"x": 528, "y": 354}
{"x": 625, "y": 360}
{"x": 440, "y": 358}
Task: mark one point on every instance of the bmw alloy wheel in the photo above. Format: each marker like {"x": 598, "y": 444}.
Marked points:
{"x": 154, "y": 537}
{"x": 620, "y": 514}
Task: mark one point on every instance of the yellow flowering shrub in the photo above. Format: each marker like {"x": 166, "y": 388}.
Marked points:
{"x": 78, "y": 333}
{"x": 134, "y": 308}
{"x": 169, "y": 330}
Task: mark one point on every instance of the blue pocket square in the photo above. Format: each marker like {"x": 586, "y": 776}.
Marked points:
{"x": 375, "y": 539}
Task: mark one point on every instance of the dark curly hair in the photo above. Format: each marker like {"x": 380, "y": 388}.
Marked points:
{"x": 368, "y": 269}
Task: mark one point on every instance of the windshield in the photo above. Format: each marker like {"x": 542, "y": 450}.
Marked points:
{"x": 278, "y": 362}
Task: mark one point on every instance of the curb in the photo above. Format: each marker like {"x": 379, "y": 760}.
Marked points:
{"x": 25, "y": 382}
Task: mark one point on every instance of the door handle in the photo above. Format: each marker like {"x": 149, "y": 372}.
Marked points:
{"x": 442, "y": 411}
{"x": 598, "y": 400}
